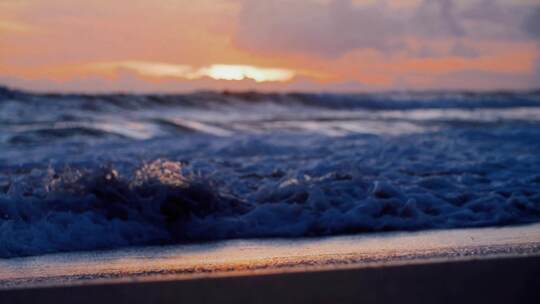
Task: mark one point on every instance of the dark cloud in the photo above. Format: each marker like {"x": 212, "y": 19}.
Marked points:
{"x": 313, "y": 27}
{"x": 332, "y": 28}
{"x": 436, "y": 18}
{"x": 459, "y": 49}
{"x": 531, "y": 25}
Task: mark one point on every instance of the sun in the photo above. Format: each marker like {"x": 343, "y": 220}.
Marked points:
{"x": 241, "y": 72}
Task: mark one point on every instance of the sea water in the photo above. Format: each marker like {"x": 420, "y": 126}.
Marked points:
{"x": 84, "y": 172}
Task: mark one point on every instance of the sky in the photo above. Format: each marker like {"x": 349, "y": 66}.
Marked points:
{"x": 269, "y": 45}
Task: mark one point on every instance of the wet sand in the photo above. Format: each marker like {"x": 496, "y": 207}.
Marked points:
{"x": 497, "y": 265}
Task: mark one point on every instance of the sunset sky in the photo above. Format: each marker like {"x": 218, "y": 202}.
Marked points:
{"x": 282, "y": 45}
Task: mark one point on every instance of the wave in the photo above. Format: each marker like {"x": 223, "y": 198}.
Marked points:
{"x": 34, "y": 119}
{"x": 186, "y": 189}
{"x": 85, "y": 172}
{"x": 369, "y": 101}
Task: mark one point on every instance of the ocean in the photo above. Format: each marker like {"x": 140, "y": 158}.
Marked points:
{"x": 85, "y": 172}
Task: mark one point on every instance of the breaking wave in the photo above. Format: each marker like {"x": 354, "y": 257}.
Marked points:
{"x": 80, "y": 172}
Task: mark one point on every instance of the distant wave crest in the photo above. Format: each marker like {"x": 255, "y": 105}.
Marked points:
{"x": 370, "y": 101}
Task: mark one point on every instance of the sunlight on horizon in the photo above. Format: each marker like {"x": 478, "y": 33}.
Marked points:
{"x": 214, "y": 71}
{"x": 240, "y": 72}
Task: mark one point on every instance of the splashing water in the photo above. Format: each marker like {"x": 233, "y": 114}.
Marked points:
{"x": 83, "y": 172}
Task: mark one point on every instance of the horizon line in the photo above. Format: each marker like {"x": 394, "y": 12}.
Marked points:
{"x": 264, "y": 92}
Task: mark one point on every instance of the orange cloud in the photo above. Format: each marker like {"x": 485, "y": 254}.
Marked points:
{"x": 411, "y": 44}
{"x": 513, "y": 62}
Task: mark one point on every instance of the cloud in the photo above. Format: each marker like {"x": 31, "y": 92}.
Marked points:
{"x": 461, "y": 50}
{"x": 436, "y": 18}
{"x": 334, "y": 27}
{"x": 11, "y": 26}
{"x": 531, "y": 26}
{"x": 326, "y": 29}
{"x": 335, "y": 44}
{"x": 463, "y": 80}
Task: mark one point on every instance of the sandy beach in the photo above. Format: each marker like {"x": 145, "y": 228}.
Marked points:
{"x": 496, "y": 264}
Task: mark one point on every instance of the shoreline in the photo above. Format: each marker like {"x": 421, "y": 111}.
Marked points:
{"x": 484, "y": 280}
{"x": 481, "y": 265}
{"x": 269, "y": 257}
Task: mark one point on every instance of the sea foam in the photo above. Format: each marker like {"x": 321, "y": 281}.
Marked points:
{"x": 279, "y": 170}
